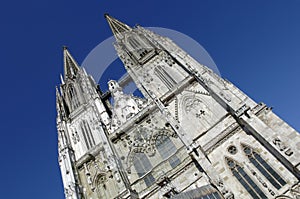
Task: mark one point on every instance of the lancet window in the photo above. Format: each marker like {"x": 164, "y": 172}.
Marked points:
{"x": 140, "y": 48}
{"x": 164, "y": 77}
{"x": 143, "y": 166}
{"x": 240, "y": 174}
{"x": 87, "y": 134}
{"x": 167, "y": 149}
{"x": 272, "y": 176}
{"x": 73, "y": 97}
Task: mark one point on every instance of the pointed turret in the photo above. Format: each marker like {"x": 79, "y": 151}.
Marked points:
{"x": 58, "y": 102}
{"x": 116, "y": 26}
{"x": 61, "y": 107}
{"x": 70, "y": 65}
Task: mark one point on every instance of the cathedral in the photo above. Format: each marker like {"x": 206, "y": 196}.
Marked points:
{"x": 192, "y": 135}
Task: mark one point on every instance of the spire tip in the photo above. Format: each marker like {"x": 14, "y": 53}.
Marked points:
{"x": 106, "y": 15}
{"x": 116, "y": 26}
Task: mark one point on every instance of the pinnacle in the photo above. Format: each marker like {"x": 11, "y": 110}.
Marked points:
{"x": 57, "y": 91}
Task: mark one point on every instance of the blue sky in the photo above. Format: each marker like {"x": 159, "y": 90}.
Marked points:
{"x": 255, "y": 44}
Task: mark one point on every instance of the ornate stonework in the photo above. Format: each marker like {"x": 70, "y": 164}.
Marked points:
{"x": 192, "y": 135}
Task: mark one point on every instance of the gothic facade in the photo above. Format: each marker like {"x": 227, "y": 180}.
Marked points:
{"x": 192, "y": 135}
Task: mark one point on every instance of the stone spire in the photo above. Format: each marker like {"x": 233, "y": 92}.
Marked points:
{"x": 70, "y": 65}
{"x": 116, "y": 26}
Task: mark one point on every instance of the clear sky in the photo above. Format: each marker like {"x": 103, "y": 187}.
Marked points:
{"x": 255, "y": 44}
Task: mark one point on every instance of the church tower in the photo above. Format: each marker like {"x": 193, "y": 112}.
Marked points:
{"x": 193, "y": 135}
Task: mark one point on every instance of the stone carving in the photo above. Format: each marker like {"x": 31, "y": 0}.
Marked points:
{"x": 282, "y": 146}
{"x": 200, "y": 92}
{"x": 87, "y": 174}
{"x": 195, "y": 106}
{"x": 202, "y": 119}
{"x": 232, "y": 150}
{"x": 167, "y": 188}
{"x": 201, "y": 113}
{"x": 70, "y": 190}
{"x": 144, "y": 142}
{"x": 258, "y": 108}
{"x": 125, "y": 106}
{"x": 168, "y": 59}
{"x": 95, "y": 123}
{"x": 225, "y": 96}
{"x": 176, "y": 109}
{"x": 295, "y": 191}
{"x": 75, "y": 137}
{"x": 241, "y": 110}
{"x": 147, "y": 77}
{"x": 101, "y": 173}
{"x": 224, "y": 190}
{"x": 100, "y": 184}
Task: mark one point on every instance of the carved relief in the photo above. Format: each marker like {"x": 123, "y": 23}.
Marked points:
{"x": 70, "y": 190}
{"x": 147, "y": 77}
{"x": 144, "y": 141}
{"x": 232, "y": 150}
{"x": 282, "y": 146}
{"x": 224, "y": 190}
{"x": 125, "y": 106}
{"x": 225, "y": 96}
{"x": 100, "y": 183}
{"x": 167, "y": 58}
{"x": 97, "y": 174}
{"x": 167, "y": 188}
{"x": 293, "y": 193}
{"x": 95, "y": 123}
{"x": 242, "y": 110}
{"x": 75, "y": 137}
{"x": 194, "y": 106}
{"x": 87, "y": 175}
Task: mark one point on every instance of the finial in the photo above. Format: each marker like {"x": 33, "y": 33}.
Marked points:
{"x": 106, "y": 15}
{"x": 62, "y": 79}
{"x": 57, "y": 91}
{"x": 84, "y": 70}
{"x": 65, "y": 47}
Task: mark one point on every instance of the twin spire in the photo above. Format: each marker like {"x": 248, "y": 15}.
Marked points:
{"x": 116, "y": 26}
{"x": 70, "y": 65}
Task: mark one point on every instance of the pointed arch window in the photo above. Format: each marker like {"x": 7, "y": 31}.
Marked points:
{"x": 87, "y": 135}
{"x": 73, "y": 97}
{"x": 134, "y": 43}
{"x": 240, "y": 174}
{"x": 139, "y": 48}
{"x": 272, "y": 176}
{"x": 167, "y": 150}
{"x": 142, "y": 166}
